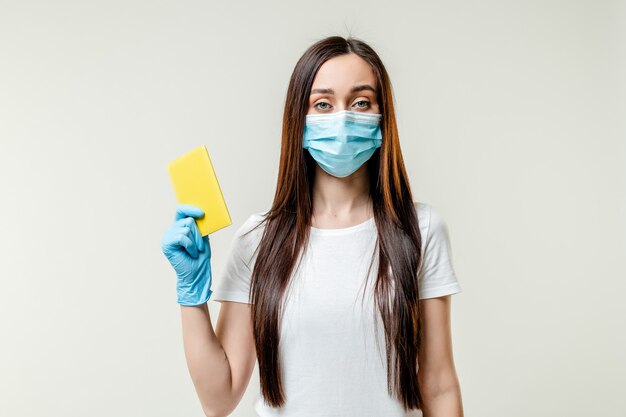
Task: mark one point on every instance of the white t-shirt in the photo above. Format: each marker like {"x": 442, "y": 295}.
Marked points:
{"x": 332, "y": 355}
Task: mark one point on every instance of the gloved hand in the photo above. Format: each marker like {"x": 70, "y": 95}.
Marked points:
{"x": 190, "y": 255}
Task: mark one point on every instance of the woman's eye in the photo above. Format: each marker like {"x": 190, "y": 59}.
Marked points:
{"x": 364, "y": 103}
{"x": 322, "y": 108}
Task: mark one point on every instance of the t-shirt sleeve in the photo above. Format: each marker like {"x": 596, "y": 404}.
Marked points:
{"x": 436, "y": 277}
{"x": 233, "y": 282}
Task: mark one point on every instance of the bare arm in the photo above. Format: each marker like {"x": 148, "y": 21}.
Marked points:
{"x": 220, "y": 363}
{"x": 437, "y": 375}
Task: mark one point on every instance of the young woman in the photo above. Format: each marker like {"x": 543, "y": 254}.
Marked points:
{"x": 342, "y": 289}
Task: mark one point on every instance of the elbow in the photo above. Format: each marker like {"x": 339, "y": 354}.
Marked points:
{"x": 214, "y": 403}
{"x": 439, "y": 384}
{"x": 214, "y": 413}
{"x": 223, "y": 409}
{"x": 216, "y": 410}
{"x": 441, "y": 391}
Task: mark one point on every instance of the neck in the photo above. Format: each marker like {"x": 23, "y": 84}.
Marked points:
{"x": 341, "y": 198}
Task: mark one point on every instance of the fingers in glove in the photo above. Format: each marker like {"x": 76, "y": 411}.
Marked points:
{"x": 187, "y": 210}
{"x": 197, "y": 235}
{"x": 194, "y": 233}
{"x": 188, "y": 244}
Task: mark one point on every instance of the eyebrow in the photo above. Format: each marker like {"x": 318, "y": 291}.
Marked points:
{"x": 354, "y": 89}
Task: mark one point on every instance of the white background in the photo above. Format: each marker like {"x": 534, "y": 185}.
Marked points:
{"x": 512, "y": 125}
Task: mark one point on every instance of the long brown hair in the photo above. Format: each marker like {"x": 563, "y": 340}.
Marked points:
{"x": 287, "y": 225}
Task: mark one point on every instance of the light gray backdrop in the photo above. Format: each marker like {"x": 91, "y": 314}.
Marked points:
{"x": 511, "y": 117}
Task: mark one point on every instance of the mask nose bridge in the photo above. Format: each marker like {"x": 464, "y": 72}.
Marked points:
{"x": 341, "y": 127}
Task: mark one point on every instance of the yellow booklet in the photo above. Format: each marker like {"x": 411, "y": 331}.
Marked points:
{"x": 195, "y": 183}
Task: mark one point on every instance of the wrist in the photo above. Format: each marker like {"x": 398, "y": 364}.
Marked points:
{"x": 194, "y": 299}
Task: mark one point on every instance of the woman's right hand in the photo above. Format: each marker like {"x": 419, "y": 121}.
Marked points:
{"x": 190, "y": 255}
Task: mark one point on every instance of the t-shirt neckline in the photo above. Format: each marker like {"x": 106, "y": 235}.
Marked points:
{"x": 343, "y": 230}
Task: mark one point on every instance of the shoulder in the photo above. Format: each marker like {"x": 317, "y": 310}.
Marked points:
{"x": 251, "y": 224}
{"x": 249, "y": 233}
{"x": 423, "y": 211}
{"x": 430, "y": 221}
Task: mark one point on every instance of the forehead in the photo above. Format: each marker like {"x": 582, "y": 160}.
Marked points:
{"x": 344, "y": 71}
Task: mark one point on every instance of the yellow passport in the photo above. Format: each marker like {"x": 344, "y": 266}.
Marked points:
{"x": 195, "y": 183}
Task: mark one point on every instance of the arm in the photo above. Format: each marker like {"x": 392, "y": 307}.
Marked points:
{"x": 441, "y": 392}
{"x": 220, "y": 363}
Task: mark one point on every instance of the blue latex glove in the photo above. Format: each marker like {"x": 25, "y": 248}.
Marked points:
{"x": 190, "y": 255}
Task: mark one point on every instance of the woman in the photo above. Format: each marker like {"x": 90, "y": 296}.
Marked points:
{"x": 343, "y": 223}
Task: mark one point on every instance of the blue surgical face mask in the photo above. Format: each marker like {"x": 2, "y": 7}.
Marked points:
{"x": 341, "y": 142}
